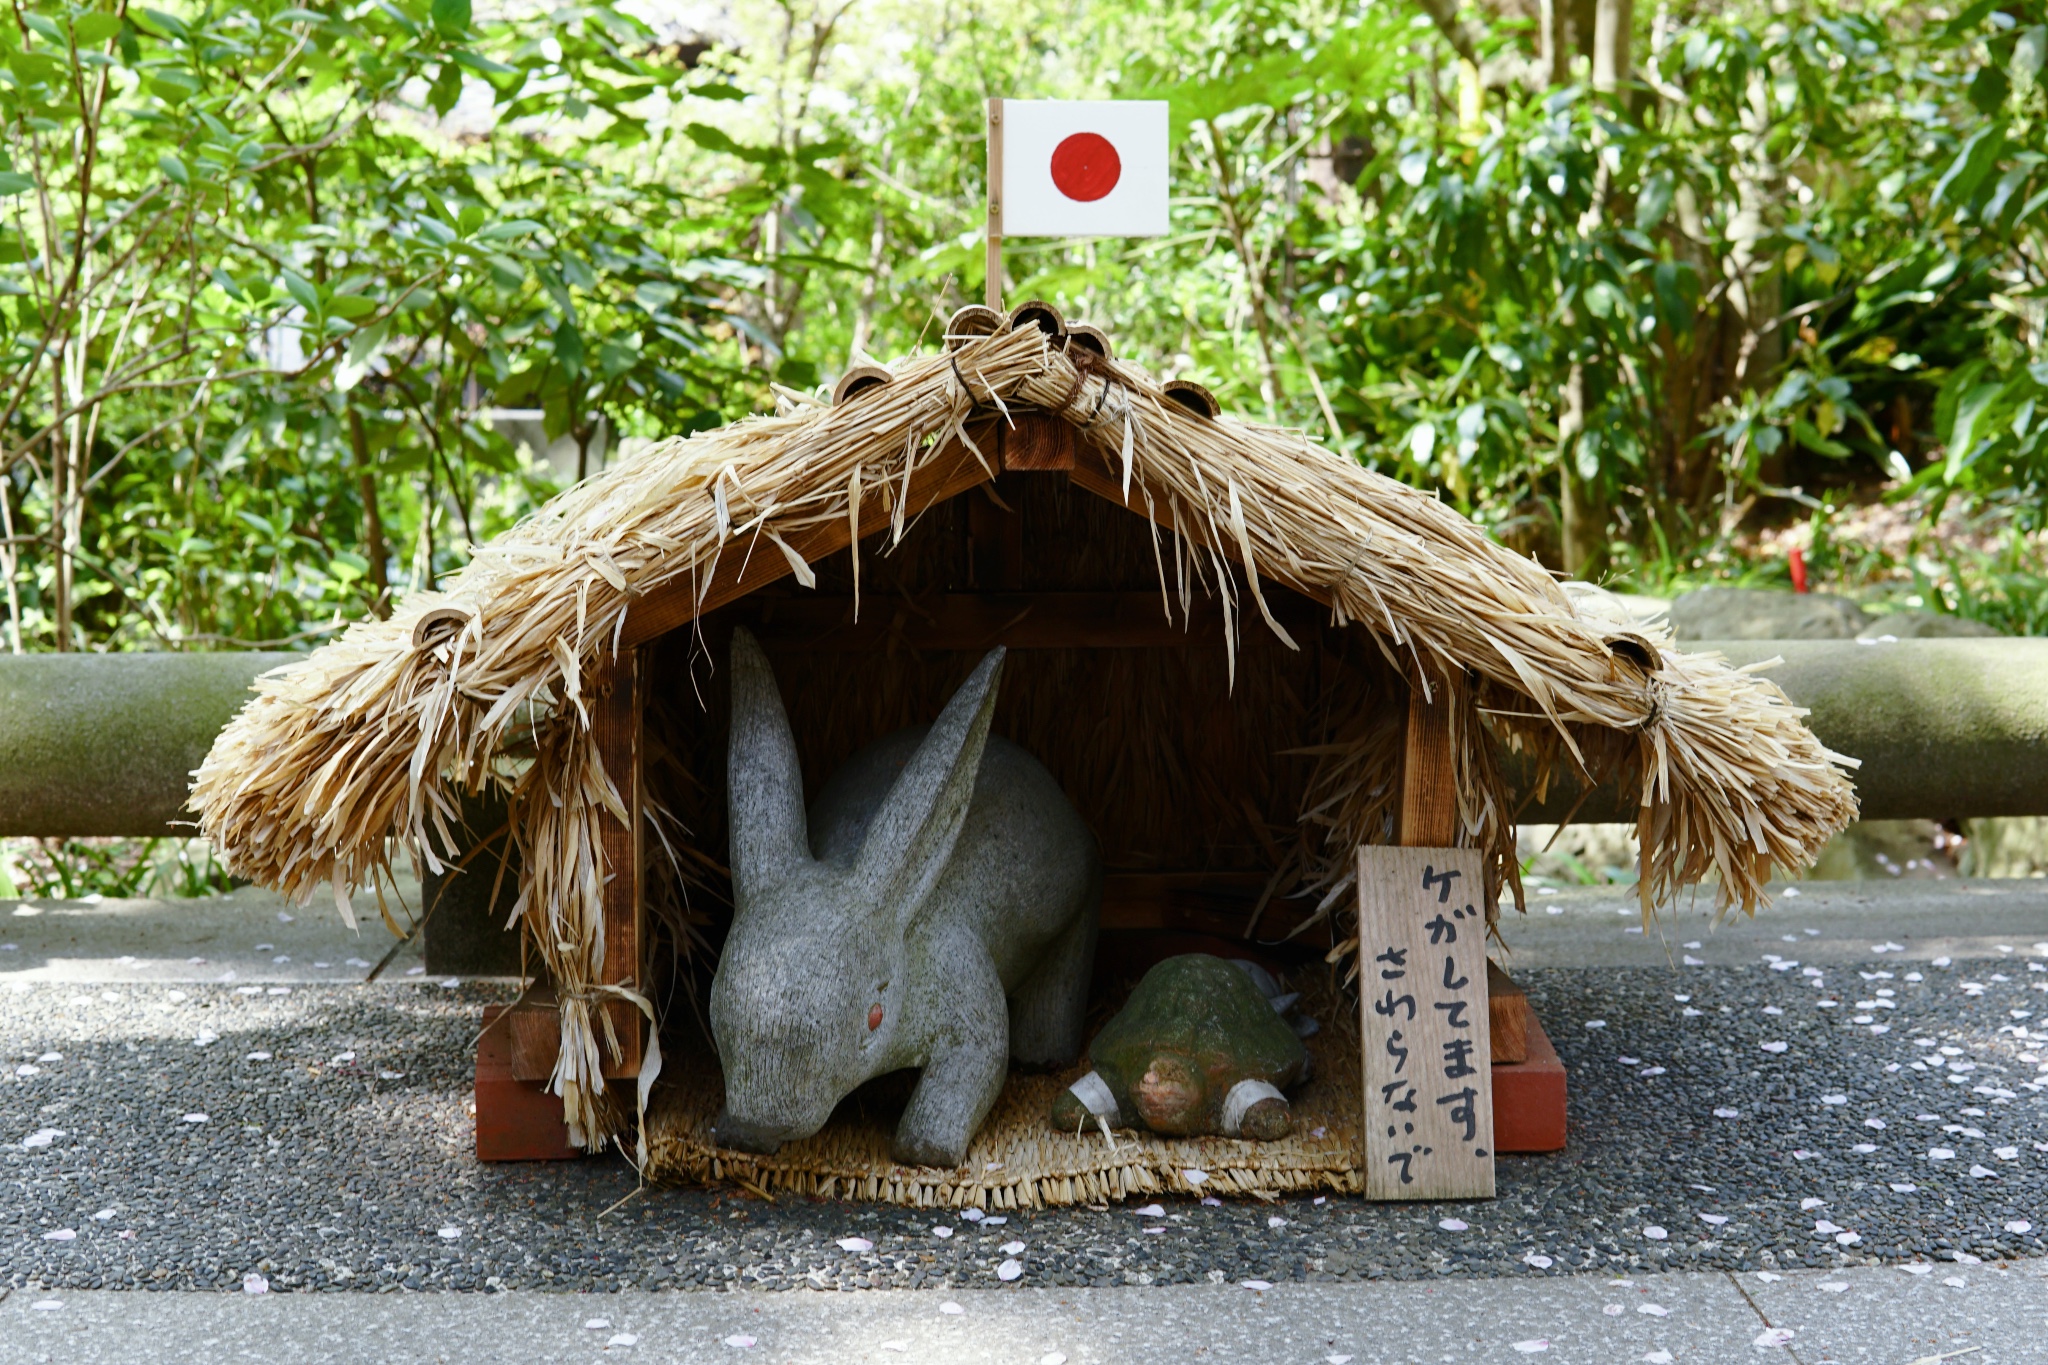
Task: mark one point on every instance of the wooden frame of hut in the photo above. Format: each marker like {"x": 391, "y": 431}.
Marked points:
{"x": 1221, "y": 634}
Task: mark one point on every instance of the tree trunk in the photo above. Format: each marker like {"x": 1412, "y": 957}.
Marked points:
{"x": 374, "y": 549}
{"x": 1582, "y": 508}
{"x": 1613, "y": 29}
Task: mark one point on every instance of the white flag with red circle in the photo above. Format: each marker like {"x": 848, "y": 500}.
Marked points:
{"x": 1083, "y": 168}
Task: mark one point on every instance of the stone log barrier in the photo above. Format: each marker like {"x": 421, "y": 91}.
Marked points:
{"x": 104, "y": 744}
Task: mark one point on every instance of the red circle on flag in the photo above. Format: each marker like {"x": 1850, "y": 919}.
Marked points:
{"x": 1086, "y": 167}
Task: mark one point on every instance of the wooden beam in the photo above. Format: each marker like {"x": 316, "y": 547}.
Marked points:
{"x": 615, "y": 725}
{"x": 977, "y": 621}
{"x": 1429, "y": 790}
{"x": 1093, "y": 472}
{"x": 1507, "y": 1014}
{"x": 1200, "y": 902}
{"x": 1039, "y": 442}
{"x": 995, "y": 543}
{"x": 662, "y": 609}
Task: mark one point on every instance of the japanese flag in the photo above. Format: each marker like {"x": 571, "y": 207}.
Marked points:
{"x": 1082, "y": 168}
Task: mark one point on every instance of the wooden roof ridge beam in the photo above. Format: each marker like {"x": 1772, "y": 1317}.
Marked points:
{"x": 950, "y": 472}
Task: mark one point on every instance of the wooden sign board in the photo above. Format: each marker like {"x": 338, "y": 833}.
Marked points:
{"x": 1423, "y": 1010}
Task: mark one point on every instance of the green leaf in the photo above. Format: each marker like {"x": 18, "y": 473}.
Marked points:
{"x": 569, "y": 346}
{"x": 14, "y": 182}
{"x": 1809, "y": 436}
{"x": 1978, "y": 155}
{"x": 173, "y": 168}
{"x": 95, "y": 28}
{"x": 513, "y": 227}
{"x": 483, "y": 66}
{"x": 47, "y": 27}
{"x": 302, "y": 291}
{"x": 1655, "y": 200}
{"x": 451, "y": 17}
{"x": 1603, "y": 300}
{"x": 1970, "y": 411}
{"x": 446, "y": 89}
{"x": 168, "y": 23}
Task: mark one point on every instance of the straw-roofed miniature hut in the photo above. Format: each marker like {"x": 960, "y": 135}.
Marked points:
{"x": 1217, "y": 631}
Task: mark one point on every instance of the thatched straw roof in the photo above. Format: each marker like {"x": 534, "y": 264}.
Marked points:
{"x": 359, "y": 750}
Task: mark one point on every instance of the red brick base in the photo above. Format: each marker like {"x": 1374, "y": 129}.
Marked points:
{"x": 515, "y": 1120}
{"x": 1528, "y": 1098}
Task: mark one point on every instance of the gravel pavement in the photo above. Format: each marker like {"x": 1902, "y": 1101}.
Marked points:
{"x": 1824, "y": 1109}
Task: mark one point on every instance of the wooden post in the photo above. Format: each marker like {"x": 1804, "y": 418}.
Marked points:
{"x": 992, "y": 289}
{"x": 1422, "y": 975}
{"x": 1429, "y": 779}
{"x": 1429, "y": 819}
{"x": 616, "y": 728}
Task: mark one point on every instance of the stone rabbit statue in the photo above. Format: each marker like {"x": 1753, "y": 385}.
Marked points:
{"x": 936, "y": 911}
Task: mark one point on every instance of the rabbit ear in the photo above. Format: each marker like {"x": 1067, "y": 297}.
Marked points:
{"x": 912, "y": 835}
{"x": 764, "y": 783}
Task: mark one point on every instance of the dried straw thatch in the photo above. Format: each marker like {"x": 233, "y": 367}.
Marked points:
{"x": 362, "y": 749}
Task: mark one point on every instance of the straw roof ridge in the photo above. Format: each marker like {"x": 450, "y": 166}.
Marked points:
{"x": 362, "y": 746}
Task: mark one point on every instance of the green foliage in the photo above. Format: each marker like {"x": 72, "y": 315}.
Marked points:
{"x": 258, "y": 276}
{"x": 268, "y": 269}
{"x": 71, "y": 868}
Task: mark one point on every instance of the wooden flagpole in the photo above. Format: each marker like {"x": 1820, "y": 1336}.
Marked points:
{"x": 992, "y": 293}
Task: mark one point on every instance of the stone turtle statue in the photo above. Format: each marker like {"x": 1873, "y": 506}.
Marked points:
{"x": 936, "y": 910}
{"x": 1201, "y": 1048}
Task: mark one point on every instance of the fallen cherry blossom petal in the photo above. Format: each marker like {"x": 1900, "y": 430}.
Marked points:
{"x": 252, "y": 1283}
{"x": 61, "y": 1235}
{"x": 951, "y": 1308}
{"x": 1258, "y": 1285}
{"x": 1775, "y": 1336}
{"x": 623, "y": 1339}
{"x": 1010, "y": 1270}
{"x": 740, "y": 1340}
{"x": 1013, "y": 1248}
{"x": 1453, "y": 1224}
{"x": 855, "y": 1244}
{"x": 1535, "y": 1346}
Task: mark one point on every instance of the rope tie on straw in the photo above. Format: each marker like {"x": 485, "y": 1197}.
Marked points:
{"x": 965, "y": 388}
{"x": 1083, "y": 362}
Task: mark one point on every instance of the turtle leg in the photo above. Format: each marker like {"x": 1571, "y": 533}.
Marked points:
{"x": 1048, "y": 1007}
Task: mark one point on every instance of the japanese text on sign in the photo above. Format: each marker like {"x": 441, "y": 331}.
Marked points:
{"x": 1428, "y": 1049}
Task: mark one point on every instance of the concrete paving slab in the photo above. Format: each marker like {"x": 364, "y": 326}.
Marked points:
{"x": 1574, "y": 1321}
{"x": 245, "y": 935}
{"x": 1914, "y": 921}
{"x": 1973, "y": 1314}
